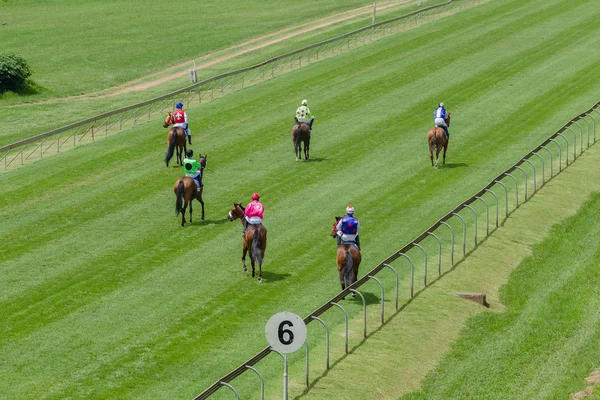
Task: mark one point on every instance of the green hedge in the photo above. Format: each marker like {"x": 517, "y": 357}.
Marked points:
{"x": 14, "y": 71}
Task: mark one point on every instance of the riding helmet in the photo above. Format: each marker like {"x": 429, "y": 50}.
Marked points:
{"x": 441, "y": 105}
{"x": 179, "y": 105}
{"x": 349, "y": 210}
{"x": 304, "y": 102}
{"x": 255, "y": 196}
{"x": 189, "y": 153}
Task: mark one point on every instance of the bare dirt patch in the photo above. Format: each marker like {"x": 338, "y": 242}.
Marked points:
{"x": 593, "y": 380}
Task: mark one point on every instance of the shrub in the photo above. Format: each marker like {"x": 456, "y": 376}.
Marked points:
{"x": 14, "y": 71}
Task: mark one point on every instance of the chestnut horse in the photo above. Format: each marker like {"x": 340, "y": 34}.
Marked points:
{"x": 348, "y": 260}
{"x": 175, "y": 138}
{"x": 186, "y": 191}
{"x": 301, "y": 134}
{"x": 436, "y": 138}
{"x": 253, "y": 240}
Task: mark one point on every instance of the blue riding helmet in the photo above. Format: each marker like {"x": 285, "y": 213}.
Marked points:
{"x": 179, "y": 105}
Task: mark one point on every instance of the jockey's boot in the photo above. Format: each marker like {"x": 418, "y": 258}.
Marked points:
{"x": 446, "y": 131}
{"x": 245, "y": 226}
{"x": 357, "y": 241}
{"x": 339, "y": 240}
{"x": 190, "y": 139}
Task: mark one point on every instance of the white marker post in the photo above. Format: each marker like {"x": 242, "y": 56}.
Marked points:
{"x": 286, "y": 333}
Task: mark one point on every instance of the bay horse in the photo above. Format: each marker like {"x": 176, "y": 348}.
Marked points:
{"x": 436, "y": 138}
{"x": 253, "y": 240}
{"x": 348, "y": 260}
{"x": 301, "y": 134}
{"x": 175, "y": 139}
{"x": 186, "y": 191}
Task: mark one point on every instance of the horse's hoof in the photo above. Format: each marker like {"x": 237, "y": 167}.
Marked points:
{"x": 296, "y": 159}
{"x": 260, "y": 279}
{"x": 202, "y": 218}
{"x": 245, "y": 269}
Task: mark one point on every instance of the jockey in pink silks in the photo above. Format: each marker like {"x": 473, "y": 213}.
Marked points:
{"x": 253, "y": 212}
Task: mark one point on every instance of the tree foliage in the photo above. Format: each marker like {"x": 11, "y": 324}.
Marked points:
{"x": 14, "y": 71}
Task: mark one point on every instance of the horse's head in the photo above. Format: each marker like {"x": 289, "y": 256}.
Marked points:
{"x": 203, "y": 161}
{"x": 448, "y": 120}
{"x": 334, "y": 227}
{"x": 168, "y": 120}
{"x": 236, "y": 212}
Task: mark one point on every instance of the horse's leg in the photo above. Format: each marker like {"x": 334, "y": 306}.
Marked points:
{"x": 185, "y": 203}
{"x": 191, "y": 202}
{"x": 306, "y": 148}
{"x": 445, "y": 148}
{"x": 199, "y": 197}
{"x": 296, "y": 150}
{"x": 244, "y": 251}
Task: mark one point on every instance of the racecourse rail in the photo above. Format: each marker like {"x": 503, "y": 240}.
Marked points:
{"x": 88, "y": 130}
{"x": 525, "y": 165}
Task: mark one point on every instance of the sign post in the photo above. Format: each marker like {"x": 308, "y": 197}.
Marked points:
{"x": 285, "y": 333}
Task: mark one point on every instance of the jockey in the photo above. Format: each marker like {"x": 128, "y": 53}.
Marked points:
{"x": 440, "y": 116}
{"x": 253, "y": 212}
{"x": 348, "y": 227}
{"x": 181, "y": 121}
{"x": 192, "y": 168}
{"x": 303, "y": 114}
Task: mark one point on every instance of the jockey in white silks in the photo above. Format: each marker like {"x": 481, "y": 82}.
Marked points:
{"x": 440, "y": 116}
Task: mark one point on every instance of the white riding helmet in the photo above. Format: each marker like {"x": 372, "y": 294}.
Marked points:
{"x": 349, "y": 210}
{"x": 441, "y": 105}
{"x": 304, "y": 102}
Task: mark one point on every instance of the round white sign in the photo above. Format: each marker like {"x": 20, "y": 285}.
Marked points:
{"x": 285, "y": 332}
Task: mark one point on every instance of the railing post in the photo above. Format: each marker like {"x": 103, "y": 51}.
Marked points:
{"x": 439, "y": 252}
{"x": 237, "y": 396}
{"x": 574, "y": 142}
{"x": 346, "y": 318}
{"x": 487, "y": 216}
{"x": 425, "y": 262}
{"x": 516, "y": 187}
{"x": 464, "y": 232}
{"x": 550, "y": 153}
{"x": 559, "y": 153}
{"x": 364, "y": 311}
{"x": 534, "y": 179}
{"x": 382, "y": 297}
{"x": 505, "y": 195}
{"x": 594, "y": 122}
{"x": 475, "y": 218}
{"x": 497, "y": 204}
{"x": 262, "y": 381}
{"x": 524, "y": 173}
{"x": 412, "y": 274}
{"x": 543, "y": 177}
{"x": 567, "y": 146}
{"x": 396, "y": 274}
{"x": 326, "y": 338}
{"x": 451, "y": 242}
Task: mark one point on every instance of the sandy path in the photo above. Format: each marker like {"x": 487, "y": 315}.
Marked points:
{"x": 181, "y": 70}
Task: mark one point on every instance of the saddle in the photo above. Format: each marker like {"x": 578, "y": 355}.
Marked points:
{"x": 348, "y": 242}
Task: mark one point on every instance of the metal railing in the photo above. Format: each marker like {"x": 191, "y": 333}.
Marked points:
{"x": 114, "y": 121}
{"x": 585, "y": 117}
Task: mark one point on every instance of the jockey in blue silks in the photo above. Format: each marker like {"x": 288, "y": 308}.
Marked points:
{"x": 440, "y": 116}
{"x": 348, "y": 227}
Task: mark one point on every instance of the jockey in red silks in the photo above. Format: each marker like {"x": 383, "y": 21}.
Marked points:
{"x": 254, "y": 212}
{"x": 181, "y": 121}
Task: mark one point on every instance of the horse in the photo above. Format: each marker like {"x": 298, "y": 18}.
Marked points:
{"x": 348, "y": 260}
{"x": 176, "y": 137}
{"x": 186, "y": 191}
{"x": 436, "y": 138}
{"x": 253, "y": 240}
{"x": 301, "y": 134}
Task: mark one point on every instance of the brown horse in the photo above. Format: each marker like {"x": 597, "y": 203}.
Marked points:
{"x": 301, "y": 134}
{"x": 253, "y": 240}
{"x": 348, "y": 260}
{"x": 186, "y": 191}
{"x": 436, "y": 138}
{"x": 175, "y": 138}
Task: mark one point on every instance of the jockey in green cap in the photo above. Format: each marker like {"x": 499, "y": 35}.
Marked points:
{"x": 192, "y": 168}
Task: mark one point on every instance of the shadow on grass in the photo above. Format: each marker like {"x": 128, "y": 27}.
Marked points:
{"x": 454, "y": 165}
{"x": 273, "y": 276}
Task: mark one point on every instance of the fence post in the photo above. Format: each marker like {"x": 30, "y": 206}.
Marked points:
{"x": 262, "y": 381}
{"x": 439, "y": 252}
{"x": 396, "y": 274}
{"x": 424, "y": 263}
{"x": 567, "y": 146}
{"x": 464, "y": 232}
{"x": 412, "y": 274}
{"x": 237, "y": 396}
{"x": 524, "y": 173}
{"x": 497, "y": 204}
{"x": 382, "y": 297}
{"x": 559, "y": 153}
{"x": 326, "y": 338}
{"x": 516, "y": 187}
{"x": 346, "y": 318}
{"x": 487, "y": 216}
{"x": 543, "y": 178}
{"x": 451, "y": 242}
{"x": 475, "y": 218}
{"x": 364, "y": 311}
{"x": 574, "y": 142}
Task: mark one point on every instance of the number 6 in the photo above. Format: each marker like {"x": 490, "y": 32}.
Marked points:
{"x": 281, "y": 331}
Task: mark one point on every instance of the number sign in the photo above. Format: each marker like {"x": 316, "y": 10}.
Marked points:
{"x": 285, "y": 332}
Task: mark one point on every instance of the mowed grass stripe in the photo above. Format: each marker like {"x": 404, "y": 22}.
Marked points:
{"x": 178, "y": 296}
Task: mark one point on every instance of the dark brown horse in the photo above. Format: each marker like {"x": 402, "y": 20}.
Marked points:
{"x": 436, "y": 138}
{"x": 253, "y": 240}
{"x": 348, "y": 260}
{"x": 301, "y": 134}
{"x": 175, "y": 139}
{"x": 186, "y": 191}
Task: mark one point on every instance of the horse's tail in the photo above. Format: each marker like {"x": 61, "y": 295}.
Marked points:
{"x": 171, "y": 148}
{"x": 348, "y": 269}
{"x": 179, "y": 202}
{"x": 256, "y": 253}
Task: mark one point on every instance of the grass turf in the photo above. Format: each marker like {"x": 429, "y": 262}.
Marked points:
{"x": 105, "y": 295}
